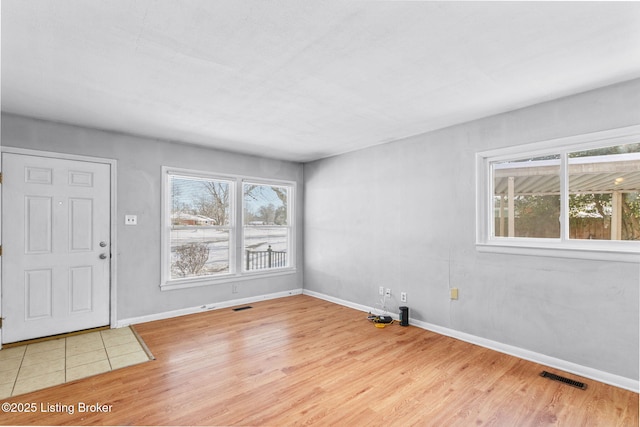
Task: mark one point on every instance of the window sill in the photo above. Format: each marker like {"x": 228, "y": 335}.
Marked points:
{"x": 231, "y": 278}
{"x": 618, "y": 254}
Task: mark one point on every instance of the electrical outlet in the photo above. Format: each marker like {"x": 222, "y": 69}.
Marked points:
{"x": 381, "y": 290}
{"x": 388, "y": 293}
{"x": 403, "y": 297}
{"x": 131, "y": 219}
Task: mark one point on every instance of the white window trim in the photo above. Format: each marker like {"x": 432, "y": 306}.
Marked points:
{"x": 236, "y": 246}
{"x": 625, "y": 251}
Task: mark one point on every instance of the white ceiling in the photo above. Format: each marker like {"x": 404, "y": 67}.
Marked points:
{"x": 302, "y": 80}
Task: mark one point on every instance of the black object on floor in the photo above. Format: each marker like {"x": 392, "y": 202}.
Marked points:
{"x": 555, "y": 377}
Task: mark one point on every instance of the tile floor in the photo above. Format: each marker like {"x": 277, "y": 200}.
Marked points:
{"x": 35, "y": 366}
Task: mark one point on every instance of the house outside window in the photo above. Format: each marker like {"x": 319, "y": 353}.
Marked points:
{"x": 205, "y": 215}
{"x": 583, "y": 194}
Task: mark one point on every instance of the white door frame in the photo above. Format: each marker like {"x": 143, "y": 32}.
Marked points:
{"x": 113, "y": 222}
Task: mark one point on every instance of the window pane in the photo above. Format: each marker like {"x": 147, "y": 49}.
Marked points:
{"x": 199, "y": 237}
{"x": 604, "y": 187}
{"x": 265, "y": 204}
{"x": 196, "y": 201}
{"x": 266, "y": 231}
{"x": 197, "y": 252}
{"x": 526, "y": 195}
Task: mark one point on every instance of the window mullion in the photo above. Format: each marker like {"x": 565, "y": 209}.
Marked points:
{"x": 564, "y": 197}
{"x": 238, "y": 226}
{"x": 489, "y": 185}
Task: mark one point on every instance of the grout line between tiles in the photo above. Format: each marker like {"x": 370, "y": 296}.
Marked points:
{"x": 15, "y": 380}
{"x": 104, "y": 346}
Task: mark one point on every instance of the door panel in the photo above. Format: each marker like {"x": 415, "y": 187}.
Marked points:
{"x": 81, "y": 291}
{"x": 56, "y": 213}
{"x": 38, "y": 285}
{"x": 81, "y": 228}
{"x": 38, "y": 225}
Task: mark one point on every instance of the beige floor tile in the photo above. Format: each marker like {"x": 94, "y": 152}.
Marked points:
{"x": 84, "y": 340}
{"x": 38, "y": 382}
{"x": 41, "y": 369}
{"x": 8, "y": 376}
{"x": 128, "y": 359}
{"x": 5, "y": 390}
{"x": 12, "y": 353}
{"x": 79, "y": 348}
{"x": 85, "y": 358}
{"x": 88, "y": 370}
{"x": 45, "y": 346}
{"x": 38, "y": 358}
{"x": 114, "y": 339}
{"x": 120, "y": 350}
{"x": 10, "y": 364}
{"x": 116, "y": 331}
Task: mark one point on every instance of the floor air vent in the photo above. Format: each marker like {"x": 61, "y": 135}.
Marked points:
{"x": 246, "y": 307}
{"x": 555, "y": 377}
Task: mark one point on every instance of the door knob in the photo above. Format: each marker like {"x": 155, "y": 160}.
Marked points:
{"x": 103, "y": 244}
{"x": 103, "y": 256}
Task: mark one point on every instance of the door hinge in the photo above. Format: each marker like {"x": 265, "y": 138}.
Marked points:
{"x": 1, "y": 322}
{"x": 0, "y": 250}
{"x": 0, "y": 177}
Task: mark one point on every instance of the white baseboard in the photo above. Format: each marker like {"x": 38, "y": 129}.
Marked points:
{"x": 206, "y": 307}
{"x": 342, "y": 302}
{"x": 566, "y": 366}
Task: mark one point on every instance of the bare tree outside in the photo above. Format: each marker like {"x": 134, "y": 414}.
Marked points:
{"x": 217, "y": 205}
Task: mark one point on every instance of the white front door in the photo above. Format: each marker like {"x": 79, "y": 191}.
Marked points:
{"x": 55, "y": 244}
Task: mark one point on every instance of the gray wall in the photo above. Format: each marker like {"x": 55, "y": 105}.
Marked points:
{"x": 139, "y": 162}
{"x": 402, "y": 216}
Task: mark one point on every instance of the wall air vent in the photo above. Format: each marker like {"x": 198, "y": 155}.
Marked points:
{"x": 555, "y": 377}
{"x": 246, "y": 307}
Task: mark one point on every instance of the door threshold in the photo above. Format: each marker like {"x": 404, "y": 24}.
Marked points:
{"x": 55, "y": 337}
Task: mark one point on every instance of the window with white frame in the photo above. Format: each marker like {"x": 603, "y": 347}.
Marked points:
{"x": 204, "y": 215}
{"x": 577, "y": 193}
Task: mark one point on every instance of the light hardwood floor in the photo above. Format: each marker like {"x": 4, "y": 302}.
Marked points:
{"x": 300, "y": 360}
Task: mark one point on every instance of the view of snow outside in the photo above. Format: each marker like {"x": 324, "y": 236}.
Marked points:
{"x": 200, "y": 236}
{"x": 265, "y": 219}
